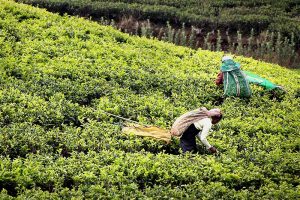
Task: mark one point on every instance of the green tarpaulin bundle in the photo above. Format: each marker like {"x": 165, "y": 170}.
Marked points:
{"x": 235, "y": 82}
{"x": 255, "y": 79}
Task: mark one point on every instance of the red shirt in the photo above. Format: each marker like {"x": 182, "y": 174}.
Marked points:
{"x": 219, "y": 79}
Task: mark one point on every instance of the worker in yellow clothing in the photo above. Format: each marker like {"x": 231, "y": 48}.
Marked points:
{"x": 196, "y": 123}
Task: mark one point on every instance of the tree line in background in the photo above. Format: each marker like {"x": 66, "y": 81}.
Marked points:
{"x": 268, "y": 46}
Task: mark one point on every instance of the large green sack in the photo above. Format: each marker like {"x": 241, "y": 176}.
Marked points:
{"x": 255, "y": 79}
{"x": 235, "y": 82}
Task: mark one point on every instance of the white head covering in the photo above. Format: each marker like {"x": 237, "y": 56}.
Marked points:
{"x": 226, "y": 58}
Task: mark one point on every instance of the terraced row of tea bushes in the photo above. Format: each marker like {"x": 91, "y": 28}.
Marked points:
{"x": 107, "y": 175}
{"x": 277, "y": 16}
{"x": 58, "y": 75}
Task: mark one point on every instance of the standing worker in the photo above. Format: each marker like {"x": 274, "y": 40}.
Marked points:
{"x": 196, "y": 123}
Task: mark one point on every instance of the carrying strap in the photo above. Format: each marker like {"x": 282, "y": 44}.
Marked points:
{"x": 125, "y": 119}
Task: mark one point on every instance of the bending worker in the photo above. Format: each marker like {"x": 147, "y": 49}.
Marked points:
{"x": 196, "y": 123}
{"x": 236, "y": 80}
{"x": 233, "y": 78}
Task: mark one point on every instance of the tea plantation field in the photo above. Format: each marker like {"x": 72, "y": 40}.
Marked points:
{"x": 57, "y": 75}
{"x": 261, "y": 15}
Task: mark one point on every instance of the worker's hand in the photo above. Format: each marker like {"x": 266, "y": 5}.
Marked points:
{"x": 213, "y": 150}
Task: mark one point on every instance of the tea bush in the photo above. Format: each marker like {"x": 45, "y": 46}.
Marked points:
{"x": 59, "y": 73}
{"x": 261, "y": 15}
{"x": 264, "y": 30}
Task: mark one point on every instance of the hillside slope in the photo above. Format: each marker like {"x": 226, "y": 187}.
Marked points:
{"x": 57, "y": 74}
{"x": 278, "y": 16}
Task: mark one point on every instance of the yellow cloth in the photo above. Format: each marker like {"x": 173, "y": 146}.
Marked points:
{"x": 148, "y": 131}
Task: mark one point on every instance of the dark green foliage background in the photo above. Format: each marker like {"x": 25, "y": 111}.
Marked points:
{"x": 261, "y": 15}
{"x": 57, "y": 74}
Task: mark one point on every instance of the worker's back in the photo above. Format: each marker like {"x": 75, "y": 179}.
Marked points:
{"x": 235, "y": 82}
